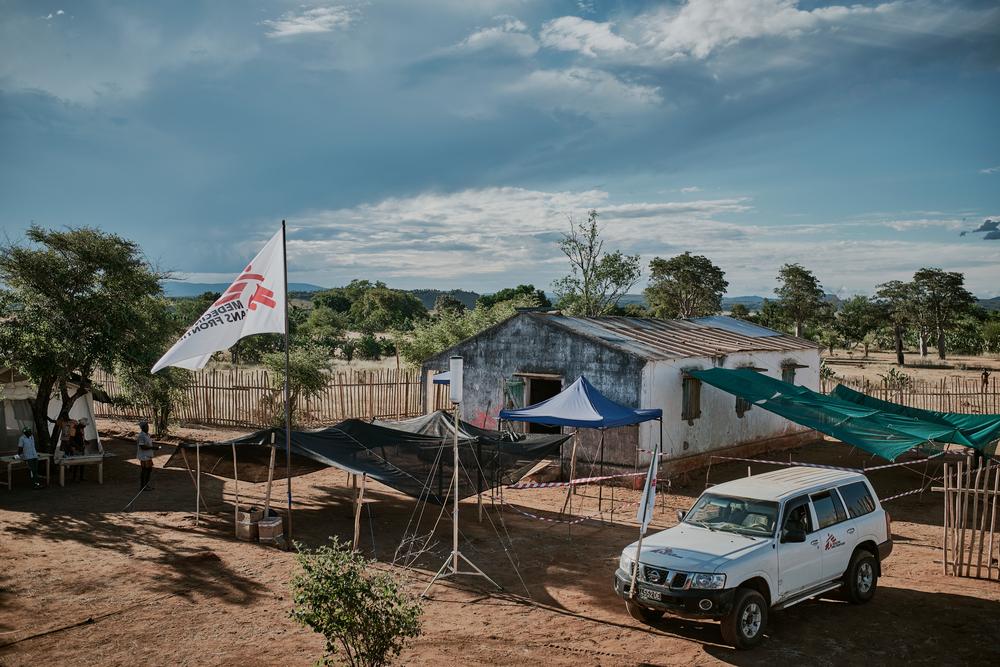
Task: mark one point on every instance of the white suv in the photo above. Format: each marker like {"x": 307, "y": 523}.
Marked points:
{"x": 758, "y": 543}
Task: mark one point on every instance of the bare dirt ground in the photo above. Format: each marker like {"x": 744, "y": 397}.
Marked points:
{"x": 85, "y": 583}
{"x": 854, "y": 364}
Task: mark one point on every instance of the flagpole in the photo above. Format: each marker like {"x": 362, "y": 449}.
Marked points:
{"x": 288, "y": 416}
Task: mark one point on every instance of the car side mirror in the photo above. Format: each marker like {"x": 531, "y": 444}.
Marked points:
{"x": 680, "y": 515}
{"x": 793, "y": 535}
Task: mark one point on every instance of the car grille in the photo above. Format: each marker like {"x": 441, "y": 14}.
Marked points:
{"x": 664, "y": 577}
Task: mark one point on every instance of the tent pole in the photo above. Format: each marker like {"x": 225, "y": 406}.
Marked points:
{"x": 270, "y": 479}
{"x": 288, "y": 409}
{"x": 645, "y": 509}
{"x": 600, "y": 486}
{"x": 197, "y": 504}
{"x": 190, "y": 474}
{"x": 359, "y": 500}
{"x": 479, "y": 478}
{"x": 572, "y": 474}
{"x": 454, "y": 518}
{"x": 236, "y": 478}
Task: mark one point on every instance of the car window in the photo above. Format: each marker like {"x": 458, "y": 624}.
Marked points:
{"x": 734, "y": 515}
{"x": 829, "y": 509}
{"x": 858, "y": 499}
{"x": 797, "y": 515}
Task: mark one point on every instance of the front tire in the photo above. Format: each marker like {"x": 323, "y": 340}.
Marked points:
{"x": 643, "y": 614}
{"x": 861, "y": 578}
{"x": 744, "y": 625}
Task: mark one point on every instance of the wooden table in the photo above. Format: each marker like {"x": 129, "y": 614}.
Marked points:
{"x": 82, "y": 460}
{"x": 16, "y": 462}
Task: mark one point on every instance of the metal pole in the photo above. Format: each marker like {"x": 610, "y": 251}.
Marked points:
{"x": 288, "y": 416}
{"x": 454, "y": 518}
{"x": 197, "y": 505}
{"x": 236, "y": 478}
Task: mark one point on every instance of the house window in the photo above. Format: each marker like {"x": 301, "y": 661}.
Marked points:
{"x": 742, "y": 405}
{"x": 788, "y": 369}
{"x": 691, "y": 401}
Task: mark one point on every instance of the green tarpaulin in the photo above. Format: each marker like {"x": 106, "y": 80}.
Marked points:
{"x": 880, "y": 432}
{"x": 980, "y": 430}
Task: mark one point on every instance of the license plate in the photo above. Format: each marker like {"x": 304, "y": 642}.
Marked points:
{"x": 646, "y": 594}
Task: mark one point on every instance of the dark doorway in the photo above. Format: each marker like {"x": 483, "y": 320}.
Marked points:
{"x": 538, "y": 390}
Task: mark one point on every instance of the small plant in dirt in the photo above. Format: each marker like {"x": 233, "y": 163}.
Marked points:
{"x": 826, "y": 373}
{"x": 896, "y": 380}
{"x": 365, "y": 615}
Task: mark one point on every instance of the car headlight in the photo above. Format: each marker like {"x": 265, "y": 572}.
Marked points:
{"x": 625, "y": 563}
{"x": 708, "y": 581}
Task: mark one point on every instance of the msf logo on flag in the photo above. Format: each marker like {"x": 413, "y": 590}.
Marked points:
{"x": 261, "y": 295}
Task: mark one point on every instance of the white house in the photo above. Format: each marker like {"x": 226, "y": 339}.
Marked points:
{"x": 638, "y": 362}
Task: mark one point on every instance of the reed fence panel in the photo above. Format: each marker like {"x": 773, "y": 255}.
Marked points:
{"x": 250, "y": 398}
{"x": 954, "y": 394}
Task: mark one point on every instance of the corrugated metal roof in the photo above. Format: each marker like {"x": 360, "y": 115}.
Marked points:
{"x": 675, "y": 339}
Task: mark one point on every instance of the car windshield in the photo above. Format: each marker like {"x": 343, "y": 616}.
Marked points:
{"x": 734, "y": 515}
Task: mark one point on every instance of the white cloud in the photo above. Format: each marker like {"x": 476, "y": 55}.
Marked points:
{"x": 699, "y": 27}
{"x": 310, "y": 21}
{"x": 571, "y": 33}
{"x": 990, "y": 170}
{"x": 485, "y": 238}
{"x": 509, "y": 34}
{"x": 585, "y": 91}
{"x": 691, "y": 188}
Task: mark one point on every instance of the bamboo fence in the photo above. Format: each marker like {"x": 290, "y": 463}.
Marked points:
{"x": 954, "y": 394}
{"x": 250, "y": 398}
{"x": 970, "y": 518}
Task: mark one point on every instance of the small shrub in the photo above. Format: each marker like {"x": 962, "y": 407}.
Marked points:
{"x": 365, "y": 615}
{"x": 896, "y": 380}
{"x": 825, "y": 372}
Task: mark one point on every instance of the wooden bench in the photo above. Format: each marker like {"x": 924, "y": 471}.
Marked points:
{"x": 82, "y": 460}
{"x": 16, "y": 462}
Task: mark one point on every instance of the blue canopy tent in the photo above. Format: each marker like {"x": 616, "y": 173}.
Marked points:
{"x": 581, "y": 405}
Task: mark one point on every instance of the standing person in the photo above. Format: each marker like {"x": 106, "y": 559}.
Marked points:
{"x": 26, "y": 450}
{"x": 144, "y": 452}
{"x": 79, "y": 446}
{"x": 986, "y": 379}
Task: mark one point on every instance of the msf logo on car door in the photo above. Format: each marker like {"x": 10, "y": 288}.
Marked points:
{"x": 832, "y": 542}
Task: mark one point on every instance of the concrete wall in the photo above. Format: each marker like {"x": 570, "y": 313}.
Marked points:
{"x": 719, "y": 426}
{"x": 524, "y": 344}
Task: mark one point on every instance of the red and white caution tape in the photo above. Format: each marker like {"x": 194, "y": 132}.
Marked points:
{"x": 829, "y": 467}
{"x": 900, "y": 495}
{"x": 572, "y": 482}
{"x": 568, "y": 522}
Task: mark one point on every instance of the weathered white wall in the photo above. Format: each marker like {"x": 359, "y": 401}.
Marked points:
{"x": 719, "y": 426}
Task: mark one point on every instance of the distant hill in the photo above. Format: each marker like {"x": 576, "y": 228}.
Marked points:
{"x": 182, "y": 288}
{"x": 990, "y": 304}
{"x": 429, "y": 296}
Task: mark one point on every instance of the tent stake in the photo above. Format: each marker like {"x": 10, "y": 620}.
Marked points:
{"x": 197, "y": 505}
{"x": 270, "y": 479}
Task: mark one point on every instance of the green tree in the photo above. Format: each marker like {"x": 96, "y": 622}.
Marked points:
{"x": 436, "y": 335}
{"x": 307, "y": 376}
{"x": 941, "y": 296}
{"x": 324, "y": 327}
{"x": 446, "y": 302}
{"x": 71, "y": 301}
{"x": 511, "y": 293}
{"x": 161, "y": 394}
{"x": 739, "y": 311}
{"x": 597, "y": 280}
{"x": 800, "y": 296}
{"x": 685, "y": 286}
{"x": 858, "y": 317}
{"x": 991, "y": 336}
{"x": 771, "y": 316}
{"x": 895, "y": 298}
{"x": 383, "y": 309}
{"x": 364, "y": 615}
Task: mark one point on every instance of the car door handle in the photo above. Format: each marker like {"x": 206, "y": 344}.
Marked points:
{"x": 815, "y": 543}
{"x": 850, "y": 530}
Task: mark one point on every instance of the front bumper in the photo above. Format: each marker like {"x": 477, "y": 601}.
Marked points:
{"x": 680, "y": 602}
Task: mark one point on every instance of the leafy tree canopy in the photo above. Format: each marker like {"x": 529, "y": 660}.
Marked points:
{"x": 597, "y": 280}
{"x": 71, "y": 301}
{"x": 800, "y": 296}
{"x": 685, "y": 286}
{"x": 511, "y": 293}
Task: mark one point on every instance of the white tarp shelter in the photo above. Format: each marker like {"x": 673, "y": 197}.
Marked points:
{"x": 15, "y": 394}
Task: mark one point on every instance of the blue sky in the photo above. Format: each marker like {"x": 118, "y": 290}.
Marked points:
{"x": 444, "y": 143}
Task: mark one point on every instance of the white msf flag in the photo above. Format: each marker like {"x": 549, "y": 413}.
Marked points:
{"x": 253, "y": 304}
{"x": 648, "y": 501}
